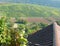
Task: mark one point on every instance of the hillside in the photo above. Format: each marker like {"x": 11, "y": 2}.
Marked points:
{"x": 30, "y": 10}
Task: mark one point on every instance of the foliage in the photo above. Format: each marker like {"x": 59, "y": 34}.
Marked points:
{"x": 15, "y": 34}
{"x": 58, "y": 22}
{"x": 11, "y": 35}
{"x": 4, "y": 32}
{"x": 42, "y": 25}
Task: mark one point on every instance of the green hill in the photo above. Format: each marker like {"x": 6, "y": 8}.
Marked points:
{"x": 28, "y": 10}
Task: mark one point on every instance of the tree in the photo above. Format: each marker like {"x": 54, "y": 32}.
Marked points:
{"x": 4, "y": 32}
{"x": 12, "y": 36}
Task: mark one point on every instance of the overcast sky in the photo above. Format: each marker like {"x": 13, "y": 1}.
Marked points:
{"x": 55, "y": 0}
{"x": 43, "y": 1}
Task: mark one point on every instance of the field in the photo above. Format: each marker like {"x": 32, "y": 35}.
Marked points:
{"x": 28, "y": 10}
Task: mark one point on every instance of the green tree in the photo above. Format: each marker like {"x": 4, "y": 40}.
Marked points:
{"x": 4, "y": 32}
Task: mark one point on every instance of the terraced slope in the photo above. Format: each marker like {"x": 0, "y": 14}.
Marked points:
{"x": 28, "y": 10}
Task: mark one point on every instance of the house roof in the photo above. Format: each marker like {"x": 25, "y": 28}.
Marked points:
{"x": 45, "y": 36}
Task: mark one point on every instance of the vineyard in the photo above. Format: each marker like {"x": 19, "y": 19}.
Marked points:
{"x": 28, "y": 10}
{"x": 16, "y": 33}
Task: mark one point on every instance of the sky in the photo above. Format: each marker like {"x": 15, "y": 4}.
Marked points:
{"x": 54, "y": 3}
{"x": 26, "y": 0}
{"x": 55, "y": 0}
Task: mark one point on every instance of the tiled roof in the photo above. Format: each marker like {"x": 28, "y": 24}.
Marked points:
{"x": 45, "y": 36}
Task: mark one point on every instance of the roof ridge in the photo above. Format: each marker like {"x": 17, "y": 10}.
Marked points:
{"x": 55, "y": 26}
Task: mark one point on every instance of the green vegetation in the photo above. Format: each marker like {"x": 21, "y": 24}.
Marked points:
{"x": 28, "y": 10}
{"x": 15, "y": 34}
{"x": 11, "y": 36}
{"x": 58, "y": 22}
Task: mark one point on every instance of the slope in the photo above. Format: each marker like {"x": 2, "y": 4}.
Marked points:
{"x": 28, "y": 10}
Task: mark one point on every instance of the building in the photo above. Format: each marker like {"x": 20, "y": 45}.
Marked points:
{"x": 49, "y": 36}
